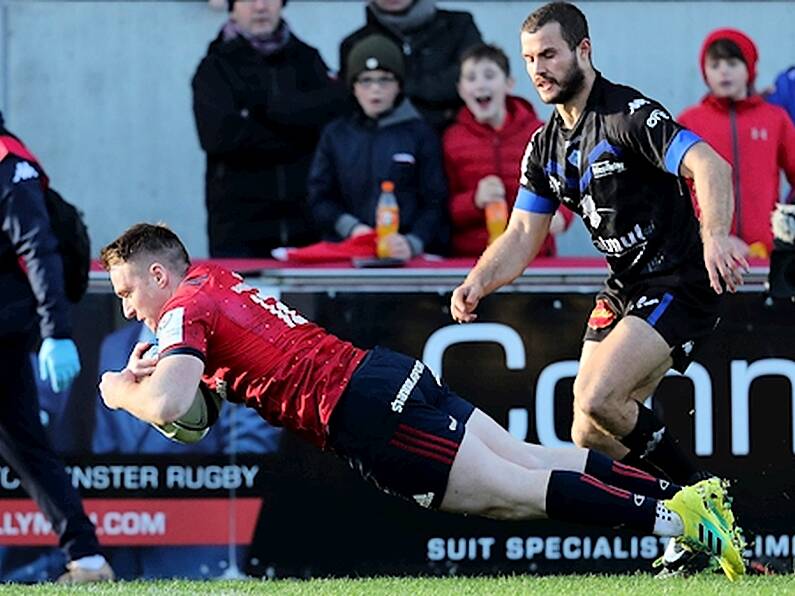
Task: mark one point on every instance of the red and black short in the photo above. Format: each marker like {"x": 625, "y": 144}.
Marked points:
{"x": 399, "y": 427}
{"x": 681, "y": 306}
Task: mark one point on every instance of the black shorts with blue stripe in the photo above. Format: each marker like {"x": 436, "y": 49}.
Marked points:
{"x": 681, "y": 306}
{"x": 399, "y": 427}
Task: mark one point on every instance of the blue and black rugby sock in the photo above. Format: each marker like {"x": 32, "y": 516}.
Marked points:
{"x": 650, "y": 440}
{"x": 621, "y": 475}
{"x": 581, "y": 498}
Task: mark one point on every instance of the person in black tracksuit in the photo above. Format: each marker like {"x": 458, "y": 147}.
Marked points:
{"x": 618, "y": 159}
{"x": 260, "y": 98}
{"x": 33, "y": 304}
{"x": 432, "y": 42}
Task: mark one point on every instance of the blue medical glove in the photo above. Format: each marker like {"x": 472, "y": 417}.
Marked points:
{"x": 58, "y": 362}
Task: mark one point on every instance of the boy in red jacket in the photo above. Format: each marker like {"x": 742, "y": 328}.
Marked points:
{"x": 757, "y": 138}
{"x": 483, "y": 148}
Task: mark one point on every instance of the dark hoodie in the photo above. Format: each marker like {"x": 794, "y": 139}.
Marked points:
{"x": 357, "y": 153}
{"x": 259, "y": 118}
{"x": 756, "y": 138}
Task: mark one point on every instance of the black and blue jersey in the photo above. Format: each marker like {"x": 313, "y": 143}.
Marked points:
{"x": 618, "y": 168}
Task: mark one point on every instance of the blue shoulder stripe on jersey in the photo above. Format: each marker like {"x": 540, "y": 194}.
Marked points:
{"x": 600, "y": 149}
{"x": 530, "y": 201}
{"x": 677, "y": 148}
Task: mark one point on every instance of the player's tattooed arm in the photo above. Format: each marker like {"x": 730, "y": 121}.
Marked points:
{"x": 160, "y": 398}
{"x": 711, "y": 176}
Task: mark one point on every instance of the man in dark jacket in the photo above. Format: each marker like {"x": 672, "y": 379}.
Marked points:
{"x": 260, "y": 98}
{"x": 385, "y": 139}
{"x": 432, "y": 42}
{"x": 32, "y": 282}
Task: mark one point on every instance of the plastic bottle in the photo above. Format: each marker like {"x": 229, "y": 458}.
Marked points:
{"x": 496, "y": 218}
{"x": 387, "y": 217}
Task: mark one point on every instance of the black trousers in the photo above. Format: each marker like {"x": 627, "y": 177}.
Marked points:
{"x": 24, "y": 445}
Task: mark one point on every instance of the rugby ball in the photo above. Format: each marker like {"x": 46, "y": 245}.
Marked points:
{"x": 194, "y": 425}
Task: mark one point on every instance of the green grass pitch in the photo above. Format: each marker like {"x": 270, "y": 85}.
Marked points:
{"x": 571, "y": 585}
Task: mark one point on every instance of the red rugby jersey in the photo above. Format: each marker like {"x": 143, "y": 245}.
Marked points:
{"x": 257, "y": 350}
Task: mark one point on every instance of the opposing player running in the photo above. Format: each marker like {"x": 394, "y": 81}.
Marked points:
{"x": 404, "y": 430}
{"x": 619, "y": 160}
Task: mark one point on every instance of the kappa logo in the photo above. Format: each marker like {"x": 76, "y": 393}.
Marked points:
{"x": 453, "y": 423}
{"x": 556, "y": 186}
{"x": 687, "y": 347}
{"x": 655, "y": 117}
{"x": 656, "y": 437}
{"x": 639, "y": 499}
{"x": 636, "y": 104}
{"x": 24, "y": 171}
{"x": 424, "y": 500}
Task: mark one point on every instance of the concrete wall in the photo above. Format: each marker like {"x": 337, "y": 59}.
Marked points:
{"x": 101, "y": 90}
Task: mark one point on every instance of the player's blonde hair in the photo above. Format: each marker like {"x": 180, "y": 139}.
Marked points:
{"x": 155, "y": 240}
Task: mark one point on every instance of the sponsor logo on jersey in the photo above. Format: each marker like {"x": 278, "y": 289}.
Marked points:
{"x": 600, "y": 169}
{"x": 169, "y": 328}
{"x": 453, "y": 423}
{"x": 655, "y": 117}
{"x": 636, "y": 104}
{"x": 602, "y": 316}
{"x": 556, "y": 186}
{"x": 639, "y": 499}
{"x": 407, "y": 387}
{"x": 616, "y": 245}
{"x": 24, "y": 171}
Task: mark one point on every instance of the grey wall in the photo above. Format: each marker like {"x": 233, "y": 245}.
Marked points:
{"x": 101, "y": 90}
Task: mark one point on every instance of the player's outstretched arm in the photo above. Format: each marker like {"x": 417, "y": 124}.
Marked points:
{"x": 161, "y": 398}
{"x": 711, "y": 176}
{"x": 501, "y": 263}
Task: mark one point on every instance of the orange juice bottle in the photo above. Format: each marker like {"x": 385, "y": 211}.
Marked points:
{"x": 387, "y": 217}
{"x": 496, "y": 218}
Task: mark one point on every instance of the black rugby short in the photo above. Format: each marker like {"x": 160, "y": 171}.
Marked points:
{"x": 399, "y": 427}
{"x": 681, "y": 306}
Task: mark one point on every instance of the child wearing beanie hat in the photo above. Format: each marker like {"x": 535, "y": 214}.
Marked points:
{"x": 386, "y": 139}
{"x": 756, "y": 138}
{"x": 374, "y": 52}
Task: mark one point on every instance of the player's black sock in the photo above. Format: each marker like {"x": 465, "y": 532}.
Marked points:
{"x": 621, "y": 475}
{"x": 632, "y": 459}
{"x": 581, "y": 498}
{"x": 651, "y": 440}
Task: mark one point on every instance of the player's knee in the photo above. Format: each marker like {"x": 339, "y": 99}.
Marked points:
{"x": 594, "y": 400}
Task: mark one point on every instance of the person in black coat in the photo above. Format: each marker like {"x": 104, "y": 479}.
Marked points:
{"x": 432, "y": 42}
{"x": 260, "y": 98}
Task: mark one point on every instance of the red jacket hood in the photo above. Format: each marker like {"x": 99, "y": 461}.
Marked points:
{"x": 744, "y": 43}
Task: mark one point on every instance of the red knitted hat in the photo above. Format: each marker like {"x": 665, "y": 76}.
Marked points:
{"x": 745, "y": 43}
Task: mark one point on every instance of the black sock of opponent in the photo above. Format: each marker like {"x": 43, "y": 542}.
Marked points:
{"x": 650, "y": 440}
{"x": 575, "y": 497}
